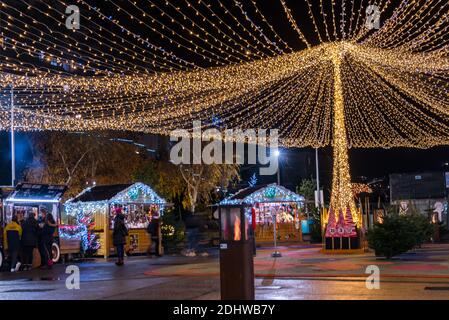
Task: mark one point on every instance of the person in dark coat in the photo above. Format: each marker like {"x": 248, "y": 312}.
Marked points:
{"x": 40, "y": 242}
{"x": 12, "y": 235}
{"x": 48, "y": 231}
{"x": 155, "y": 231}
{"x": 119, "y": 236}
{"x": 30, "y": 229}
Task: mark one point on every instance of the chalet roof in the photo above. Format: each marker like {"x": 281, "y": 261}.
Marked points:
{"x": 36, "y": 193}
{"x": 100, "y": 193}
{"x": 264, "y": 193}
{"x": 119, "y": 193}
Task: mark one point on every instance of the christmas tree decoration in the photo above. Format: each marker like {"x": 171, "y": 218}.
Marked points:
{"x": 252, "y": 181}
{"x": 331, "y": 228}
{"x": 349, "y": 224}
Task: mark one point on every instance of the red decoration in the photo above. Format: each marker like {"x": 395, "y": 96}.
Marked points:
{"x": 253, "y": 217}
{"x": 350, "y": 225}
{"x": 331, "y": 229}
{"x": 345, "y": 227}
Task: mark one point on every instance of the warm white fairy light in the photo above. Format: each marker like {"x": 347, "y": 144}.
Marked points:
{"x": 357, "y": 88}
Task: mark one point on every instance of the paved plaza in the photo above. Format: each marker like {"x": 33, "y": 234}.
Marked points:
{"x": 301, "y": 273}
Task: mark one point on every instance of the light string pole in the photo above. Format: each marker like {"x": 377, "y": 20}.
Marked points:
{"x": 341, "y": 197}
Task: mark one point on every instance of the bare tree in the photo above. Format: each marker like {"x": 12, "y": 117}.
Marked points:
{"x": 202, "y": 180}
{"x": 79, "y": 159}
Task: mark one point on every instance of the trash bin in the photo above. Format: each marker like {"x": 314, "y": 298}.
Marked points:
{"x": 236, "y": 254}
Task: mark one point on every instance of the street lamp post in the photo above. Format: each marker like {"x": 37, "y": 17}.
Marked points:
{"x": 277, "y": 154}
{"x": 276, "y": 253}
{"x": 13, "y": 151}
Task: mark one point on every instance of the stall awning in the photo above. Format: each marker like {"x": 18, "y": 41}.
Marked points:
{"x": 262, "y": 194}
{"x": 36, "y": 193}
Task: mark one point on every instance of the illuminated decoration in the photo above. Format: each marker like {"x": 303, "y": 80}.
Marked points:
{"x": 331, "y": 229}
{"x": 270, "y": 193}
{"x": 83, "y": 213}
{"x": 237, "y": 228}
{"x": 349, "y": 225}
{"x": 89, "y": 240}
{"x": 346, "y": 86}
{"x": 404, "y": 207}
{"x": 343, "y": 228}
{"x": 341, "y": 195}
{"x": 31, "y": 200}
{"x": 139, "y": 193}
{"x": 252, "y": 181}
{"x": 168, "y": 230}
{"x": 358, "y": 188}
{"x": 235, "y": 67}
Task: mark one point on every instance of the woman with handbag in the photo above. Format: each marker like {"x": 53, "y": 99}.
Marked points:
{"x": 48, "y": 238}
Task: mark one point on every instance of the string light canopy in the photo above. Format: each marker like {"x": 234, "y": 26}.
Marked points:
{"x": 322, "y": 78}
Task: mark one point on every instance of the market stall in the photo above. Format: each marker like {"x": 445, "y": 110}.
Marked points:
{"x": 93, "y": 211}
{"x": 270, "y": 204}
{"x": 32, "y": 198}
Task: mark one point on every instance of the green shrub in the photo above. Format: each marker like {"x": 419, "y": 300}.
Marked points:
{"x": 398, "y": 234}
{"x": 173, "y": 231}
{"x": 422, "y": 227}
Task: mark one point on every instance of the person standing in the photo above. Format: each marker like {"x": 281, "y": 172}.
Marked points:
{"x": 48, "y": 232}
{"x": 12, "y": 235}
{"x": 155, "y": 233}
{"x": 119, "y": 236}
{"x": 30, "y": 229}
{"x": 40, "y": 242}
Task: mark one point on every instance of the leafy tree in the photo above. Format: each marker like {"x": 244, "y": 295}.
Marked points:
{"x": 307, "y": 190}
{"x": 164, "y": 178}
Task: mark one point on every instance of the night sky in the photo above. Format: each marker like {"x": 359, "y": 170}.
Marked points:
{"x": 296, "y": 163}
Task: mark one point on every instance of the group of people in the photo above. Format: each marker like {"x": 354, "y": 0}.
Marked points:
{"x": 21, "y": 237}
{"x": 120, "y": 232}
